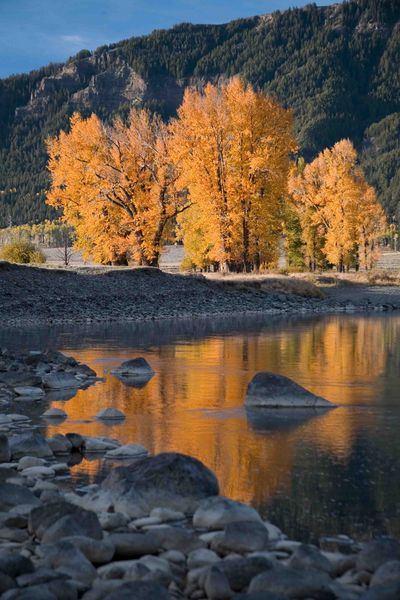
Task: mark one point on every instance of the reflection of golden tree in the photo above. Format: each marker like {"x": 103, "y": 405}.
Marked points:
{"x": 189, "y": 406}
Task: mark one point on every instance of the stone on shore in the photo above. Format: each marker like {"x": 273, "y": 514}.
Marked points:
{"x": 60, "y": 381}
{"x": 294, "y": 583}
{"x": 216, "y": 512}
{"x": 174, "y": 480}
{"x": 275, "y": 391}
{"x": 29, "y": 444}
{"x": 29, "y": 391}
{"x": 42, "y": 518}
{"x": 12, "y": 495}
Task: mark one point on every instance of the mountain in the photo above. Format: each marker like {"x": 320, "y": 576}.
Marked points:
{"x": 338, "y": 67}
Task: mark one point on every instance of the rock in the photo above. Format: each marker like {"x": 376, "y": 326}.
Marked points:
{"x": 71, "y": 525}
{"x": 123, "y": 569}
{"x": 390, "y": 591}
{"x": 201, "y": 558}
{"x": 30, "y": 461}
{"x": 60, "y": 381}
{"x": 42, "y": 518}
{"x": 37, "y": 592}
{"x": 29, "y": 444}
{"x": 176, "y": 538}
{"x": 12, "y": 495}
{"x": 216, "y": 585}
{"x": 216, "y": 512}
{"x": 110, "y": 521}
{"x": 165, "y": 515}
{"x": 14, "y": 564}
{"x": 59, "y": 444}
{"x": 6, "y": 583}
{"x": 29, "y": 391}
{"x": 54, "y": 413}
{"x": 242, "y": 537}
{"x": 294, "y": 583}
{"x": 99, "y": 444}
{"x": 173, "y": 480}
{"x": 14, "y": 378}
{"x": 77, "y": 441}
{"x": 128, "y": 451}
{"x": 307, "y": 556}
{"x": 38, "y": 472}
{"x": 388, "y": 572}
{"x": 133, "y": 545}
{"x": 376, "y": 553}
{"x": 111, "y": 413}
{"x": 272, "y": 390}
{"x": 97, "y": 551}
{"x": 139, "y": 590}
{"x": 67, "y": 559}
{"x": 136, "y": 367}
{"x": 5, "y": 452}
{"x": 260, "y": 596}
{"x": 241, "y": 571}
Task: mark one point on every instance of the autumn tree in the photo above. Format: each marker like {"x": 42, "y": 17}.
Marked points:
{"x": 338, "y": 210}
{"x": 116, "y": 185}
{"x": 232, "y": 147}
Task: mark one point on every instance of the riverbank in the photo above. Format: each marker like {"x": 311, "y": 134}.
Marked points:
{"x": 156, "y": 528}
{"x": 33, "y": 295}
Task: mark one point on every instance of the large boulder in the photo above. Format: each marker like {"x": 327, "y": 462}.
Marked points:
{"x": 136, "y": 367}
{"x": 276, "y": 391}
{"x": 169, "y": 479}
{"x": 29, "y": 444}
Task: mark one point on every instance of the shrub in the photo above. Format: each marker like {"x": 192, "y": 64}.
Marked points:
{"x": 22, "y": 251}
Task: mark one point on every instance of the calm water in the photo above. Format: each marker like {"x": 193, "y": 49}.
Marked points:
{"x": 333, "y": 473}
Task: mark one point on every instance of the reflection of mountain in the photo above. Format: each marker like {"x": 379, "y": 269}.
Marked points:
{"x": 340, "y": 463}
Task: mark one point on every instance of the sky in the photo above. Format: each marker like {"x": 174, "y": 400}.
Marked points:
{"x": 36, "y": 32}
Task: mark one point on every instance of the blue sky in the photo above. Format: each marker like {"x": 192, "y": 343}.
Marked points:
{"x": 36, "y": 32}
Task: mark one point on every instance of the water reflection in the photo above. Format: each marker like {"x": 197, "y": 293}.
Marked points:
{"x": 331, "y": 471}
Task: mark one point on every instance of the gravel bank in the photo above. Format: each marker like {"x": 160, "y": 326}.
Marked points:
{"x": 32, "y": 295}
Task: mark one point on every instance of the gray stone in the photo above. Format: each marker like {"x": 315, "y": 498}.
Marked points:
{"x": 240, "y": 571}
{"x": 59, "y": 444}
{"x": 111, "y": 413}
{"x": 97, "y": 551}
{"x": 173, "y": 480}
{"x": 272, "y": 390}
{"x": 29, "y": 391}
{"x": 166, "y": 515}
{"x": 387, "y": 573}
{"x": 54, "y": 413}
{"x": 5, "y": 452}
{"x": 294, "y": 583}
{"x": 60, "y": 381}
{"x": 128, "y": 451}
{"x": 376, "y": 553}
{"x": 29, "y": 444}
{"x": 72, "y": 525}
{"x": 242, "y": 537}
{"x": 135, "y": 367}
{"x": 390, "y": 591}
{"x": 42, "y": 518}
{"x": 38, "y": 472}
{"x": 307, "y": 556}
{"x": 77, "y": 440}
{"x": 99, "y": 445}
{"x": 201, "y": 558}
{"x": 216, "y": 512}
{"x": 67, "y": 559}
{"x": 217, "y": 586}
{"x": 14, "y": 564}
{"x": 133, "y": 545}
{"x": 30, "y": 461}
{"x": 176, "y": 538}
{"x": 139, "y": 590}
{"x": 37, "y": 592}
{"x": 12, "y": 495}
{"x": 110, "y": 521}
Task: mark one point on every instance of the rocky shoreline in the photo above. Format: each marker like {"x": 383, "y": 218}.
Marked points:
{"x": 155, "y": 528}
{"x": 34, "y": 296}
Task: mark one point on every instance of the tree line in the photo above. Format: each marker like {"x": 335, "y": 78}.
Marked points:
{"x": 221, "y": 176}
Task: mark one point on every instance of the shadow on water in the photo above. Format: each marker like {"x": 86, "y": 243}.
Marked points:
{"x": 311, "y": 472}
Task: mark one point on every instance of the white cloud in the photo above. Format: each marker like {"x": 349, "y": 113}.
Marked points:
{"x": 72, "y": 39}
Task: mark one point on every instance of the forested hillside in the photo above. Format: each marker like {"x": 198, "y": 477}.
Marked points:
{"x": 337, "y": 66}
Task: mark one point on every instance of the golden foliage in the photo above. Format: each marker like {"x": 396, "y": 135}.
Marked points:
{"x": 338, "y": 210}
{"x": 116, "y": 185}
{"x": 232, "y": 146}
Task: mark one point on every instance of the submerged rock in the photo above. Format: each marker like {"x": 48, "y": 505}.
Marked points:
{"x": 128, "y": 451}
{"x": 111, "y": 413}
{"x": 275, "y": 391}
